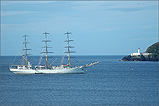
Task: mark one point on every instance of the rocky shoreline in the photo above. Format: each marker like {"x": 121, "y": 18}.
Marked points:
{"x": 141, "y": 58}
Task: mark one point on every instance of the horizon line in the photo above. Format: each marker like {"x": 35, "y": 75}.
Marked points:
{"x": 79, "y": 55}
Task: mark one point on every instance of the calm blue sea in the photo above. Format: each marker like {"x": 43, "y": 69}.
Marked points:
{"x": 111, "y": 82}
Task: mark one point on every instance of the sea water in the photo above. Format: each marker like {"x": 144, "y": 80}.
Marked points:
{"x": 111, "y": 82}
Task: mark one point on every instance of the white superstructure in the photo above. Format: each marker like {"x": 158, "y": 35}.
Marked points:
{"x": 22, "y": 69}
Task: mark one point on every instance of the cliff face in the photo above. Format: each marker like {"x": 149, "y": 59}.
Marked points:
{"x": 154, "y": 49}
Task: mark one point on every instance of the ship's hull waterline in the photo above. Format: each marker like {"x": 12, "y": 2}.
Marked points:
{"x": 49, "y": 71}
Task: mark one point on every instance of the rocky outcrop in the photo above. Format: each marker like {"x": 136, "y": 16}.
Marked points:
{"x": 154, "y": 49}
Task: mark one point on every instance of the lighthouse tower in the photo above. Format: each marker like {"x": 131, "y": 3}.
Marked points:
{"x": 136, "y": 54}
{"x": 138, "y": 51}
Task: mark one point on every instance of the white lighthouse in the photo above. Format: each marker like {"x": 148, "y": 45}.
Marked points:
{"x": 138, "y": 53}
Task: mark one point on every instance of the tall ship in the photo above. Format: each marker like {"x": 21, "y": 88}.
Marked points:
{"x": 24, "y": 68}
{"x": 48, "y": 68}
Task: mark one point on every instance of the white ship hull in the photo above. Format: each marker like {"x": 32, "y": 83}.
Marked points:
{"x": 60, "y": 71}
{"x": 48, "y": 71}
{"x": 54, "y": 70}
{"x": 23, "y": 71}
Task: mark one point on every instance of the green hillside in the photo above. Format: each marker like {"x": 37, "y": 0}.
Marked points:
{"x": 153, "y": 48}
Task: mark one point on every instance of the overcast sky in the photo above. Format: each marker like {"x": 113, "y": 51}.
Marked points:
{"x": 98, "y": 27}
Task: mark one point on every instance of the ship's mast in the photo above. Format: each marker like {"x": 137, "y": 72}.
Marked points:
{"x": 68, "y": 47}
{"x": 46, "y": 49}
{"x": 26, "y": 49}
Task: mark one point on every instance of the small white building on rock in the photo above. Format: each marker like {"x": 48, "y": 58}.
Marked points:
{"x": 138, "y": 53}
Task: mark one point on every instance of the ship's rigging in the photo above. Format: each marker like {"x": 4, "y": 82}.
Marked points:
{"x": 69, "y": 47}
{"x": 46, "y": 49}
{"x": 26, "y": 50}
